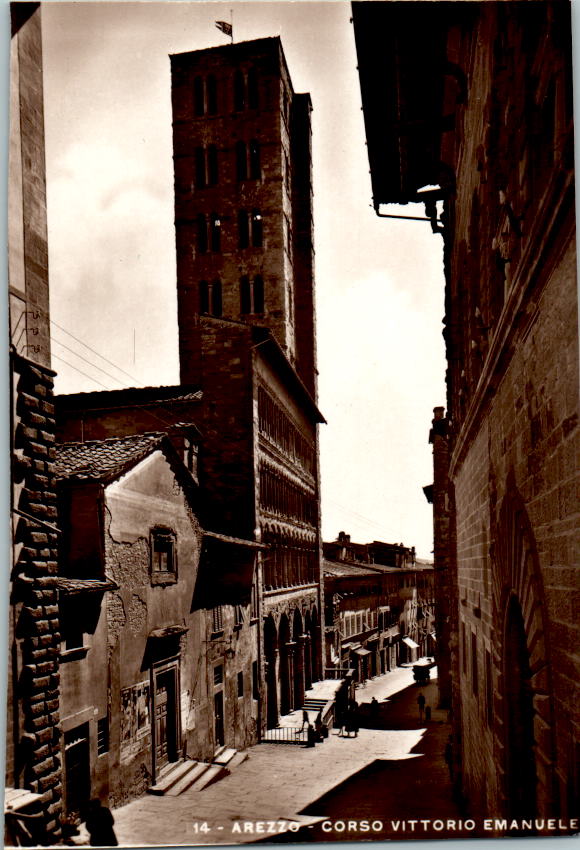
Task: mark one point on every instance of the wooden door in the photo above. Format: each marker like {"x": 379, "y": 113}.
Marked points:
{"x": 218, "y": 709}
{"x": 77, "y": 767}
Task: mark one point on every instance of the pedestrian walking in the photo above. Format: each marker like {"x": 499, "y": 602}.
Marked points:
{"x": 99, "y": 823}
{"x": 310, "y": 736}
{"x": 305, "y": 718}
{"x": 374, "y": 711}
{"x": 318, "y": 726}
{"x": 421, "y": 703}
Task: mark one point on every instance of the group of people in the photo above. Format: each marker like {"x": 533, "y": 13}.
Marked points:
{"x": 349, "y": 721}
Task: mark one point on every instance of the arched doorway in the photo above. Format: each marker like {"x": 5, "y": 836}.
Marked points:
{"x": 299, "y": 646}
{"x": 522, "y": 708}
{"x": 286, "y": 664}
{"x": 308, "y": 651}
{"x": 314, "y": 647}
{"x": 271, "y": 655}
{"x": 518, "y": 717}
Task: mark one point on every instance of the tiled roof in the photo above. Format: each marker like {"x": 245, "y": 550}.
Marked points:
{"x": 104, "y": 459}
{"x": 129, "y": 395}
{"x": 336, "y": 568}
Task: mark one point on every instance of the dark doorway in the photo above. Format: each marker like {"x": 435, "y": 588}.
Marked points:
{"x": 218, "y": 712}
{"x": 166, "y": 719}
{"x": 77, "y": 767}
{"x": 519, "y": 718}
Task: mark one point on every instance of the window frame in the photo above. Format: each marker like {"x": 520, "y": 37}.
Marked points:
{"x": 166, "y": 535}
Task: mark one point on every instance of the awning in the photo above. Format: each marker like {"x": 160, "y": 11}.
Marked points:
{"x": 168, "y": 631}
{"x": 70, "y": 586}
{"x": 410, "y": 643}
{"x": 362, "y": 651}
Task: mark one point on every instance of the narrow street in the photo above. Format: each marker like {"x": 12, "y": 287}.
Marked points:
{"x": 394, "y": 772}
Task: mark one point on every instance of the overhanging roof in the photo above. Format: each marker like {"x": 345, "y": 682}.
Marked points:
{"x": 403, "y": 65}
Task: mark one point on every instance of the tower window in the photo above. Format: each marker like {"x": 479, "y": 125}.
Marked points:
{"x": 210, "y": 298}
{"x": 211, "y": 94}
{"x": 200, "y": 178}
{"x": 253, "y": 94}
{"x": 204, "y": 297}
{"x": 243, "y": 229}
{"x": 216, "y": 232}
{"x": 257, "y": 230}
{"x": 240, "y": 684}
{"x": 212, "y": 165}
{"x": 215, "y": 298}
{"x": 255, "y": 169}
{"x": 251, "y": 295}
{"x": 258, "y": 294}
{"x": 198, "y": 96}
{"x": 239, "y": 91}
{"x": 245, "y": 297}
{"x": 241, "y": 161}
{"x": 202, "y": 234}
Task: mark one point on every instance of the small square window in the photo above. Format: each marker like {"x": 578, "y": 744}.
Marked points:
{"x": 218, "y": 675}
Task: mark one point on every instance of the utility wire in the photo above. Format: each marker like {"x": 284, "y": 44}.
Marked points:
{"x": 110, "y": 362}
{"x": 62, "y": 360}
{"x": 80, "y": 356}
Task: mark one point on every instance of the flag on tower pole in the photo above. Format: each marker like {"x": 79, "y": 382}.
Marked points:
{"x": 226, "y": 28}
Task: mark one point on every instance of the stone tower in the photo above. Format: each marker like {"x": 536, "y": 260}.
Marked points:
{"x": 243, "y": 199}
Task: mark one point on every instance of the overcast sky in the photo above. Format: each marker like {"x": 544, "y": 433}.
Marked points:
{"x": 112, "y": 251}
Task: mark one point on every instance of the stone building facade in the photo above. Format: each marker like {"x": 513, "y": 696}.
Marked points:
{"x": 140, "y": 677}
{"x": 243, "y": 213}
{"x": 484, "y": 120}
{"x": 377, "y": 615}
{"x": 32, "y": 750}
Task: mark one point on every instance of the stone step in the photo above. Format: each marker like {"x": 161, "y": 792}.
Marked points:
{"x": 238, "y": 759}
{"x": 212, "y": 774}
{"x": 196, "y": 771}
{"x": 170, "y": 776}
{"x": 225, "y": 756}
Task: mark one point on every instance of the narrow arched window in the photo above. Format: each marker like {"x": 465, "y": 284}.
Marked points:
{"x": 239, "y": 91}
{"x": 198, "y": 96}
{"x": 212, "y": 165}
{"x": 257, "y": 230}
{"x": 243, "y": 229}
{"x": 211, "y": 94}
{"x": 200, "y": 178}
{"x": 255, "y": 169}
{"x": 215, "y": 232}
{"x": 204, "y": 297}
{"x": 216, "y": 298}
{"x": 253, "y": 95}
{"x": 241, "y": 161}
{"x": 201, "y": 234}
{"x": 245, "y": 296}
{"x": 258, "y": 295}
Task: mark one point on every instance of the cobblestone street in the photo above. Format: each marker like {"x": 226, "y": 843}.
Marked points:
{"x": 395, "y": 772}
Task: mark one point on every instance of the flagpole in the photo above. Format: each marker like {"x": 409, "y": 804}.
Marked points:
{"x": 232, "y": 23}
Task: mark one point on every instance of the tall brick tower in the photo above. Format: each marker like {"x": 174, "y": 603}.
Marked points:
{"x": 243, "y": 198}
{"x": 243, "y": 219}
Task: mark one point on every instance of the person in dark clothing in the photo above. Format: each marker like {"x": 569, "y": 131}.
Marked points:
{"x": 99, "y": 823}
{"x": 421, "y": 704}
{"x": 310, "y": 736}
{"x": 374, "y": 711}
{"x": 305, "y": 718}
{"x": 318, "y": 726}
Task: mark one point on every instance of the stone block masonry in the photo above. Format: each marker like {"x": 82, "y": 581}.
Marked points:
{"x": 33, "y": 753}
